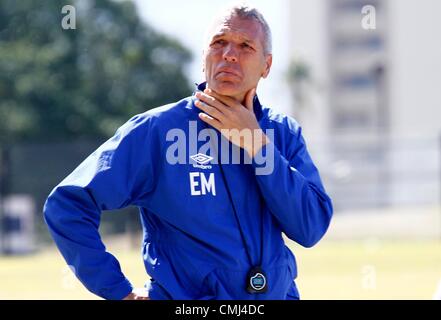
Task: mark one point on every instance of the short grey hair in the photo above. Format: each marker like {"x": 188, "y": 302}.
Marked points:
{"x": 245, "y": 11}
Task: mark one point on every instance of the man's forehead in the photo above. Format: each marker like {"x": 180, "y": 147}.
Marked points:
{"x": 244, "y": 29}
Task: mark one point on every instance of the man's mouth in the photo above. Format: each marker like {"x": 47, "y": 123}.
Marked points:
{"x": 228, "y": 72}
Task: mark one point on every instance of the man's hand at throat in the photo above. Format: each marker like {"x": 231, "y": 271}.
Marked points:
{"x": 234, "y": 120}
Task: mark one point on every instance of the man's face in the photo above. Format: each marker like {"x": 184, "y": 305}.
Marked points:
{"x": 234, "y": 60}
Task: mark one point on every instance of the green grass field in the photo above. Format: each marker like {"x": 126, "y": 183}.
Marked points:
{"x": 331, "y": 270}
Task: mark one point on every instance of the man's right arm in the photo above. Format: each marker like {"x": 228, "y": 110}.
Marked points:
{"x": 117, "y": 174}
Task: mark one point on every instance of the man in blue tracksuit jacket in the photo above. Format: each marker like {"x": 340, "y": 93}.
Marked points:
{"x": 212, "y": 226}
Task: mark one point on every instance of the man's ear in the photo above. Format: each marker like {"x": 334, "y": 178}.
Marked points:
{"x": 268, "y": 64}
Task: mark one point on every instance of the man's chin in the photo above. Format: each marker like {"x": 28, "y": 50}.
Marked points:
{"x": 227, "y": 88}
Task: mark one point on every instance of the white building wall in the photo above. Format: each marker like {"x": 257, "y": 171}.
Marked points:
{"x": 415, "y": 100}
{"x": 412, "y": 61}
{"x": 415, "y": 68}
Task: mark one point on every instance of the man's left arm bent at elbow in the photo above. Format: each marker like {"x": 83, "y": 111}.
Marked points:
{"x": 294, "y": 193}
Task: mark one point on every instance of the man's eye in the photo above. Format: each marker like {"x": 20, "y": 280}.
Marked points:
{"x": 218, "y": 42}
{"x": 246, "y": 46}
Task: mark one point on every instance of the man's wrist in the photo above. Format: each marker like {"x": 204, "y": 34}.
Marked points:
{"x": 260, "y": 139}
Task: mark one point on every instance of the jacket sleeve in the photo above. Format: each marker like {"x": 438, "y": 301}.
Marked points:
{"x": 294, "y": 193}
{"x": 119, "y": 173}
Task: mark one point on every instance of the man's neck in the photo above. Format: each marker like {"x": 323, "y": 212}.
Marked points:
{"x": 240, "y": 98}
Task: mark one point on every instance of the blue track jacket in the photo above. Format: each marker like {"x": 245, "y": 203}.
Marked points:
{"x": 192, "y": 248}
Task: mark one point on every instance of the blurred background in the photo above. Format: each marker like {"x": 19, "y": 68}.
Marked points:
{"x": 362, "y": 78}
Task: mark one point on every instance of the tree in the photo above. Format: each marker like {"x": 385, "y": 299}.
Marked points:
{"x": 61, "y": 85}
{"x": 58, "y": 84}
{"x": 300, "y": 80}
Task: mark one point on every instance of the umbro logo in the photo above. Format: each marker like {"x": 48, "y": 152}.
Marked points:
{"x": 201, "y": 161}
{"x": 199, "y": 184}
{"x": 201, "y": 158}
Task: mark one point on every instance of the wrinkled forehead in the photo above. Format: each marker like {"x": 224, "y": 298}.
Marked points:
{"x": 243, "y": 29}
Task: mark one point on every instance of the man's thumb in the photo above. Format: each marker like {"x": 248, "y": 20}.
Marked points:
{"x": 249, "y": 99}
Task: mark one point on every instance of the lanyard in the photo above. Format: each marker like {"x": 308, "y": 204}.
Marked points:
{"x": 256, "y": 279}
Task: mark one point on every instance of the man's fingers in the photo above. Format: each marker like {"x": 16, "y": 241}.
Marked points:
{"x": 212, "y": 111}
{"x": 212, "y": 101}
{"x": 227, "y": 101}
{"x": 210, "y": 120}
{"x": 230, "y": 102}
{"x": 135, "y": 296}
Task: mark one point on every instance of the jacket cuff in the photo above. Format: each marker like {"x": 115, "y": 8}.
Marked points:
{"x": 118, "y": 292}
{"x": 266, "y": 161}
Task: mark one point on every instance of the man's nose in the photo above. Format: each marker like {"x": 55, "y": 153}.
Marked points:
{"x": 230, "y": 54}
